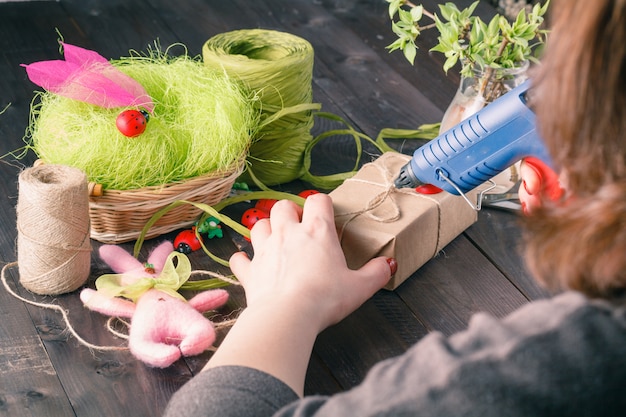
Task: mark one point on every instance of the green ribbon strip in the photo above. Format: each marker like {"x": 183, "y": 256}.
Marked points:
{"x": 332, "y": 181}
{"x": 172, "y": 277}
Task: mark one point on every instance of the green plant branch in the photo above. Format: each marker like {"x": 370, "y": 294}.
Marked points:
{"x": 466, "y": 38}
{"x": 489, "y": 74}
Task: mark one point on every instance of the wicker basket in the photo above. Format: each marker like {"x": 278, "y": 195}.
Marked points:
{"x": 120, "y": 216}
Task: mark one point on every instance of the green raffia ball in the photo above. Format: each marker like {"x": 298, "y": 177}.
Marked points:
{"x": 277, "y": 67}
{"x": 202, "y": 123}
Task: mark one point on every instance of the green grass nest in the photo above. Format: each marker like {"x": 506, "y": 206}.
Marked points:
{"x": 202, "y": 123}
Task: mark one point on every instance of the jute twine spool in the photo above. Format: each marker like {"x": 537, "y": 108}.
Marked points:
{"x": 54, "y": 250}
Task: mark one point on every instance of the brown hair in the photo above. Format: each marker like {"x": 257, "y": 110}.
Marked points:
{"x": 580, "y": 90}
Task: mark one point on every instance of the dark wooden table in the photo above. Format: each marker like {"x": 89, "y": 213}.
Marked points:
{"x": 46, "y": 372}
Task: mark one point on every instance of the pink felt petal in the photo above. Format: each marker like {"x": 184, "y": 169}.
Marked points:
{"x": 129, "y": 86}
{"x": 88, "y": 77}
{"x": 73, "y": 81}
{"x": 159, "y": 255}
{"x": 119, "y": 260}
{"x": 95, "y": 87}
{"x": 81, "y": 56}
{"x": 51, "y": 75}
{"x": 209, "y": 300}
{"x": 127, "y": 91}
{"x": 103, "y": 304}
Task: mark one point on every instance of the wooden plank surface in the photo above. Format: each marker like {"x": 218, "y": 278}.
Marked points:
{"x": 46, "y": 371}
{"x": 28, "y": 378}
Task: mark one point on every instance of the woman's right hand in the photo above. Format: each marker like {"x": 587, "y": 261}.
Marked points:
{"x": 299, "y": 266}
{"x": 297, "y": 283}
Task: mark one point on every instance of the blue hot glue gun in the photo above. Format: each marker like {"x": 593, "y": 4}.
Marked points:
{"x": 478, "y": 148}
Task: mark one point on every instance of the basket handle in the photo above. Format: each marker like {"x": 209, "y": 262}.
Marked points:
{"x": 95, "y": 189}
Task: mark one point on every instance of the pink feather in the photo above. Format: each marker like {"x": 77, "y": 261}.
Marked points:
{"x": 89, "y": 77}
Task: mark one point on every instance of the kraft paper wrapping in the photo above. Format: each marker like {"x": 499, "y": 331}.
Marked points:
{"x": 374, "y": 218}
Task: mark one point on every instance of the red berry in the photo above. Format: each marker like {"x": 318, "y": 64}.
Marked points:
{"x": 306, "y": 193}
{"x": 132, "y": 122}
{"x": 265, "y": 204}
{"x": 253, "y": 215}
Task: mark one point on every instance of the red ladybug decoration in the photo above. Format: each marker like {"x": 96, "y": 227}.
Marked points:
{"x": 187, "y": 241}
{"x": 132, "y": 122}
{"x": 306, "y": 193}
{"x": 265, "y": 204}
{"x": 253, "y": 215}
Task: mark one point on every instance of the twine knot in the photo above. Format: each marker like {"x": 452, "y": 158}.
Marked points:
{"x": 388, "y": 191}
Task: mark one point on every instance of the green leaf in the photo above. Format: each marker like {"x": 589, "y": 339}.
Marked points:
{"x": 448, "y": 10}
{"x": 540, "y": 11}
{"x": 521, "y": 17}
{"x": 405, "y": 16}
{"x": 417, "y": 13}
{"x": 394, "y": 5}
{"x": 410, "y": 51}
{"x": 397, "y": 44}
{"x": 504, "y": 26}
{"x": 450, "y": 62}
{"x": 492, "y": 28}
{"x": 398, "y": 30}
{"x": 479, "y": 60}
{"x": 471, "y": 8}
{"x": 521, "y": 42}
{"x": 476, "y": 33}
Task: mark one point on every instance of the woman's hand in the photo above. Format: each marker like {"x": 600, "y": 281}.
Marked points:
{"x": 539, "y": 182}
{"x": 299, "y": 265}
{"x": 296, "y": 285}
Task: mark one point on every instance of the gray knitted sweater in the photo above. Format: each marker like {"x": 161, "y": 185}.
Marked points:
{"x": 565, "y": 356}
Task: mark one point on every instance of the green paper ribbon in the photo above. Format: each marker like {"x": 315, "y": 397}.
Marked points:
{"x": 172, "y": 277}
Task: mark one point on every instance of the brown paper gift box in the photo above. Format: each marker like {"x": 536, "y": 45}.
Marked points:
{"x": 374, "y": 218}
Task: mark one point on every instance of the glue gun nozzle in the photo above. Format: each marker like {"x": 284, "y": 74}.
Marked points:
{"x": 406, "y": 178}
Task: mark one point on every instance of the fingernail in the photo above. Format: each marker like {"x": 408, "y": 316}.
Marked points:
{"x": 393, "y": 265}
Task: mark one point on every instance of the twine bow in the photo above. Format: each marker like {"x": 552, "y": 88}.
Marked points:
{"x": 387, "y": 192}
{"x": 171, "y": 278}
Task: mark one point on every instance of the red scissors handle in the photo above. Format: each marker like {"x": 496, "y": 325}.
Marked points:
{"x": 550, "y": 186}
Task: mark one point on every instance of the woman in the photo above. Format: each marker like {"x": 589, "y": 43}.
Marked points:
{"x": 562, "y": 356}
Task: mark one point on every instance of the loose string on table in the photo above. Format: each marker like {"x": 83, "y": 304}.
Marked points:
{"x": 57, "y": 308}
{"x": 110, "y": 321}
